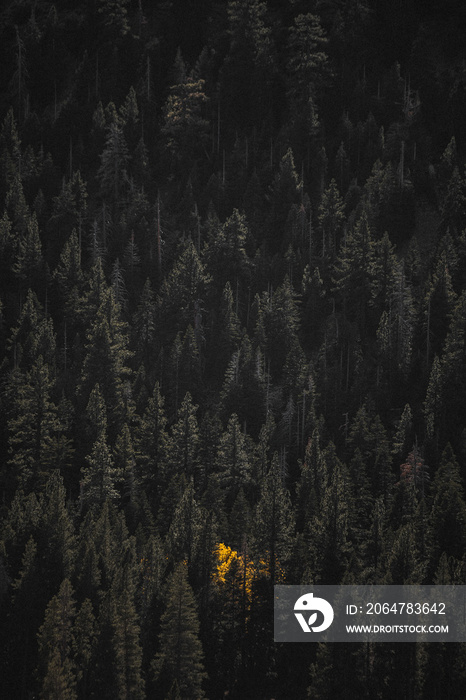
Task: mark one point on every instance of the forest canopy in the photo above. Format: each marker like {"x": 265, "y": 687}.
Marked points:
{"x": 232, "y": 339}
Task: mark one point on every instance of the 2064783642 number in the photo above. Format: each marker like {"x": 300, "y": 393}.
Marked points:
{"x": 406, "y": 608}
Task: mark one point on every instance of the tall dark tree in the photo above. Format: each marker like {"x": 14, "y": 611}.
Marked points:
{"x": 180, "y": 657}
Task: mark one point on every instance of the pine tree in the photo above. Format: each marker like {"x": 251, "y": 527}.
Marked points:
{"x": 95, "y": 417}
{"x": 228, "y": 336}
{"x": 33, "y": 336}
{"x": 248, "y": 69}
{"x": 183, "y": 443}
{"x": 448, "y": 514}
{"x": 115, "y": 159}
{"x": 352, "y": 271}
{"x": 100, "y": 477}
{"x": 151, "y": 442}
{"x": 439, "y": 303}
{"x": 226, "y": 255}
{"x": 56, "y": 538}
{"x": 144, "y": 327}
{"x": 125, "y": 463}
{"x": 383, "y": 273}
{"x": 368, "y": 434}
{"x": 281, "y": 321}
{"x": 69, "y": 277}
{"x": 28, "y": 264}
{"x": 286, "y": 192}
{"x": 69, "y": 213}
{"x": 55, "y": 640}
{"x": 114, "y": 17}
{"x": 403, "y": 565}
{"x": 244, "y": 387}
{"x": 433, "y": 406}
{"x": 185, "y": 128}
{"x": 331, "y": 218}
{"x": 106, "y": 357}
{"x": 10, "y": 150}
{"x": 183, "y": 538}
{"x": 184, "y": 288}
{"x": 307, "y": 64}
{"x": 239, "y": 522}
{"x": 32, "y": 426}
{"x": 447, "y": 379}
{"x": 233, "y": 461}
{"x": 180, "y": 656}
{"x": 403, "y": 432}
{"x": 273, "y": 521}
{"x": 335, "y": 524}
{"x": 127, "y": 653}
{"x": 83, "y": 643}
{"x": 17, "y": 209}
{"x": 7, "y": 244}
{"x": 184, "y": 369}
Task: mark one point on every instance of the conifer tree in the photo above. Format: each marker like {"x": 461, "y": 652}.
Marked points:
{"x": 69, "y": 276}
{"x": 125, "y": 463}
{"x": 151, "y": 442}
{"x": 56, "y": 539}
{"x": 33, "y": 336}
{"x": 439, "y": 303}
{"x": 185, "y": 366}
{"x": 403, "y": 565}
{"x": 403, "y": 432}
{"x": 335, "y": 525}
{"x": 95, "y": 416}
{"x": 245, "y": 82}
{"x": 307, "y": 65}
{"x": 180, "y": 656}
{"x": 331, "y": 218}
{"x": 32, "y": 425}
{"x": 228, "y": 336}
{"x": 233, "y": 461}
{"x": 144, "y": 327}
{"x": 55, "y": 641}
{"x": 100, "y": 477}
{"x": 273, "y": 521}
{"x": 83, "y": 642}
{"x": 183, "y": 442}
{"x": 28, "y": 263}
{"x": 184, "y": 287}
{"x": 433, "y": 405}
{"x": 352, "y": 271}
{"x": 106, "y": 357}
{"x": 286, "y": 191}
{"x": 448, "y": 514}
{"x": 183, "y": 538}
{"x": 127, "y": 653}
{"x": 185, "y": 127}
{"x": 69, "y": 212}
{"x": 115, "y": 158}
{"x": 115, "y": 18}
{"x": 88, "y": 574}
{"x": 226, "y": 254}
{"x": 10, "y": 149}
{"x": 16, "y": 208}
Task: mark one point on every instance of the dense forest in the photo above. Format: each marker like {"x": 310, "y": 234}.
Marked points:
{"x": 232, "y": 340}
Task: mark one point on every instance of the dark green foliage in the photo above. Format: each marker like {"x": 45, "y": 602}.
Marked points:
{"x": 32, "y": 427}
{"x": 55, "y": 643}
{"x": 232, "y": 339}
{"x": 273, "y": 521}
{"x": 180, "y": 658}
